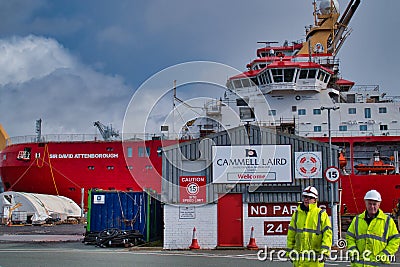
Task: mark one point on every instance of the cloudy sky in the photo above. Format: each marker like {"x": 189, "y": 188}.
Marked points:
{"x": 75, "y": 62}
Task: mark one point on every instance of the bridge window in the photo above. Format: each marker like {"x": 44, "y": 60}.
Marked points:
{"x": 277, "y": 74}
{"x": 383, "y": 127}
{"x": 307, "y": 74}
{"x": 282, "y": 75}
{"x": 265, "y": 77}
{"x": 272, "y": 112}
{"x": 327, "y": 76}
{"x": 317, "y": 128}
{"x": 237, "y": 83}
{"x": 321, "y": 76}
{"x": 342, "y": 128}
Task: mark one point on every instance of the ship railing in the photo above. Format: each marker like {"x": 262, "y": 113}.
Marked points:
{"x": 355, "y": 133}
{"x": 359, "y": 88}
{"x": 78, "y": 138}
{"x": 286, "y": 86}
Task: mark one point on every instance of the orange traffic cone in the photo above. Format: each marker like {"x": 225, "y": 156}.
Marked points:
{"x": 195, "y": 244}
{"x": 252, "y": 243}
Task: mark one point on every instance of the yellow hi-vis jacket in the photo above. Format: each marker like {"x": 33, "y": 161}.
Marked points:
{"x": 309, "y": 236}
{"x": 373, "y": 244}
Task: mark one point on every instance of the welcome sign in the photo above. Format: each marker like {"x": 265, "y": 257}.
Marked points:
{"x": 252, "y": 164}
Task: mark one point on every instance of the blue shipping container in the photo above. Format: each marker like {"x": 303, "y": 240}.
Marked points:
{"x": 124, "y": 211}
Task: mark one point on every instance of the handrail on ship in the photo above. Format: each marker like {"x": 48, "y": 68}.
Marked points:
{"x": 78, "y": 138}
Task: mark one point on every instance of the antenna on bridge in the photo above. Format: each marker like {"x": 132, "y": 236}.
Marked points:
{"x": 107, "y": 132}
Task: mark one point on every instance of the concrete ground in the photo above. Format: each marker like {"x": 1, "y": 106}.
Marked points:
{"x": 43, "y": 233}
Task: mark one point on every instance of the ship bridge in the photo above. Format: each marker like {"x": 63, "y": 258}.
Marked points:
{"x": 283, "y": 76}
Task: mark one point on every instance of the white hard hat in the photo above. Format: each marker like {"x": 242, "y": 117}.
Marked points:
{"x": 373, "y": 195}
{"x": 310, "y": 191}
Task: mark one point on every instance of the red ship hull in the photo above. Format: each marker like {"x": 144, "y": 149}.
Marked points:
{"x": 67, "y": 168}
{"x": 355, "y": 184}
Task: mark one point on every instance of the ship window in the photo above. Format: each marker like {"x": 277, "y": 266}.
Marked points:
{"x": 90, "y": 167}
{"x": 262, "y": 78}
{"x": 288, "y": 75}
{"x": 254, "y": 81}
{"x": 317, "y": 111}
{"x": 4, "y": 156}
{"x": 317, "y": 128}
{"x": 246, "y": 82}
{"x": 383, "y": 110}
{"x": 352, "y": 111}
{"x": 272, "y": 112}
{"x": 237, "y": 83}
{"x": 262, "y": 66}
{"x": 311, "y": 74}
{"x": 302, "y": 112}
{"x": 147, "y": 151}
{"x": 72, "y": 189}
{"x": 367, "y": 113}
{"x": 149, "y": 167}
{"x": 110, "y": 167}
{"x": 242, "y": 102}
{"x": 294, "y": 108}
{"x": 321, "y": 76}
{"x": 363, "y": 127}
{"x": 129, "y": 152}
{"x": 278, "y": 75}
{"x": 327, "y": 76}
{"x": 129, "y": 167}
{"x": 351, "y": 98}
{"x": 141, "y": 152}
{"x": 383, "y": 127}
{"x": 303, "y": 74}
{"x": 342, "y": 128}
{"x": 110, "y": 149}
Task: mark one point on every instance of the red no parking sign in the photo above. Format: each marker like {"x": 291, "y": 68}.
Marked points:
{"x": 192, "y": 189}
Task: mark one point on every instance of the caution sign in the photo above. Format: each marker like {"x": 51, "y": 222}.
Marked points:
{"x": 192, "y": 189}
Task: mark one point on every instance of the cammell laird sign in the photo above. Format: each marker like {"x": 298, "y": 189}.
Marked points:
{"x": 252, "y": 164}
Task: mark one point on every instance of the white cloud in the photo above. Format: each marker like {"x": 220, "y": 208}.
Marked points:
{"x": 43, "y": 80}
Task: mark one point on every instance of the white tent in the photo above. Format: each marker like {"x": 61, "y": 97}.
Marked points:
{"x": 38, "y": 207}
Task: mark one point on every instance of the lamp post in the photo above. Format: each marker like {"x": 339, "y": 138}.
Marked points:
{"x": 330, "y": 154}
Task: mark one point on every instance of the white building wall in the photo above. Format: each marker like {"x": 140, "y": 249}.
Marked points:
{"x": 178, "y": 226}
{"x": 271, "y": 241}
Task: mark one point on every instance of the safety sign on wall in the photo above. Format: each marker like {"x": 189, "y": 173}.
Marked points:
{"x": 192, "y": 189}
{"x": 308, "y": 165}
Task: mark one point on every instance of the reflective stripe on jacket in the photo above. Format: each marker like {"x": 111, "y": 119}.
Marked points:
{"x": 309, "y": 232}
{"x": 372, "y": 244}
